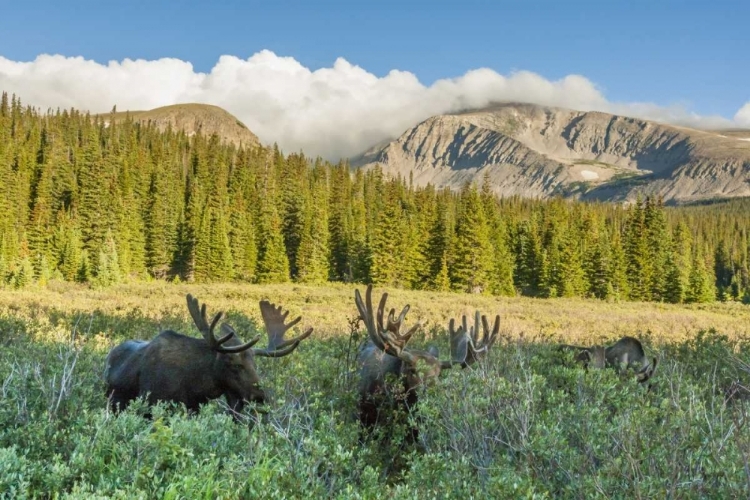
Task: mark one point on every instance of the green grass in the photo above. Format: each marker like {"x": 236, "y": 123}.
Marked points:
{"x": 525, "y": 424}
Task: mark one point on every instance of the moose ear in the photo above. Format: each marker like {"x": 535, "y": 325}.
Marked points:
{"x": 433, "y": 351}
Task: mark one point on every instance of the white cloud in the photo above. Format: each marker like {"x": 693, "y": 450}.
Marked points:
{"x": 742, "y": 118}
{"x": 333, "y": 112}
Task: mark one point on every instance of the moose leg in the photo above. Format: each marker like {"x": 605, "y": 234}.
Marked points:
{"x": 369, "y": 413}
{"x": 119, "y": 399}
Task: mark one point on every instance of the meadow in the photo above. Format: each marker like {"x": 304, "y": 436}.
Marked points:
{"x": 526, "y": 423}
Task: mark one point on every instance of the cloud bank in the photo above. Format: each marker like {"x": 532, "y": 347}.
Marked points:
{"x": 332, "y": 112}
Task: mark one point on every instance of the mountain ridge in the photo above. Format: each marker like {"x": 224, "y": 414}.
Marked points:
{"x": 542, "y": 151}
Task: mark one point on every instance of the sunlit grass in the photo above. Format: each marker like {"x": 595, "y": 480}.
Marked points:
{"x": 330, "y": 308}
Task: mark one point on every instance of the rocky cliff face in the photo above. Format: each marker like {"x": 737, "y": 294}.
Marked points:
{"x": 539, "y": 151}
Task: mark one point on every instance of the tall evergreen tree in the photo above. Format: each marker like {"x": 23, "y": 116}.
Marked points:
{"x": 472, "y": 259}
{"x": 701, "y": 286}
{"x": 93, "y": 196}
{"x": 387, "y": 240}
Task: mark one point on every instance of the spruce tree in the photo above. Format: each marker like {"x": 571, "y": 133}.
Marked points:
{"x": 93, "y": 197}
{"x": 658, "y": 244}
{"x": 440, "y": 243}
{"x": 107, "y": 269}
{"x": 472, "y": 264}
{"x": 313, "y": 255}
{"x": 724, "y": 271}
{"x": 637, "y": 254}
{"x": 273, "y": 265}
{"x": 701, "y": 285}
{"x": 678, "y": 266}
{"x": 387, "y": 240}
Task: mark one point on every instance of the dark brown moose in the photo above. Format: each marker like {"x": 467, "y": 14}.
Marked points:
{"x": 386, "y": 354}
{"x": 627, "y": 351}
{"x": 191, "y": 371}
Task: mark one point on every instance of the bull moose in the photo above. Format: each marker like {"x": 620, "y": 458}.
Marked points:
{"x": 627, "y": 351}
{"x": 192, "y": 371}
{"x": 386, "y": 355}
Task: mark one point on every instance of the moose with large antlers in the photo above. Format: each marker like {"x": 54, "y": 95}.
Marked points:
{"x": 386, "y": 354}
{"x": 191, "y": 371}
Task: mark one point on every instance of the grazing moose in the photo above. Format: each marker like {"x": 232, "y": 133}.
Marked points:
{"x": 386, "y": 354}
{"x": 191, "y": 371}
{"x": 627, "y": 351}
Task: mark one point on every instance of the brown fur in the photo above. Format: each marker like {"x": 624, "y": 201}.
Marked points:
{"x": 628, "y": 352}
{"x": 175, "y": 367}
{"x": 182, "y": 369}
{"x": 386, "y": 357}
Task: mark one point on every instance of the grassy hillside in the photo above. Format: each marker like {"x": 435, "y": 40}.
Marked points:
{"x": 192, "y": 118}
{"x": 524, "y": 424}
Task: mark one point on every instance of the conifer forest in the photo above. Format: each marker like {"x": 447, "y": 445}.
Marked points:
{"x": 89, "y": 199}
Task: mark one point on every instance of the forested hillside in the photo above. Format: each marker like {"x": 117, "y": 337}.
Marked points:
{"x": 95, "y": 200}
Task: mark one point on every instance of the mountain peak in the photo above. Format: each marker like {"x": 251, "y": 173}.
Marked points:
{"x": 194, "y": 118}
{"x": 541, "y": 151}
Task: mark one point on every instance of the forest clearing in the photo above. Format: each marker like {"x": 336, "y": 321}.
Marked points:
{"x": 523, "y": 422}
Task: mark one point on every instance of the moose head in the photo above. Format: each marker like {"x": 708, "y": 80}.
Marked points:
{"x": 182, "y": 369}
{"x": 386, "y": 353}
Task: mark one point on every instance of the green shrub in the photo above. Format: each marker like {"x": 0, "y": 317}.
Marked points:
{"x": 527, "y": 423}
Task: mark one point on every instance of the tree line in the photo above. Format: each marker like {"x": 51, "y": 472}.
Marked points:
{"x": 91, "y": 199}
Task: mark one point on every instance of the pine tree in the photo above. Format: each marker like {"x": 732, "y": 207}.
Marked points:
{"x": 599, "y": 269}
{"x": 472, "y": 262}
{"x": 570, "y": 280}
{"x": 439, "y": 244}
{"x": 678, "y": 266}
{"x": 67, "y": 246}
{"x": 313, "y": 256}
{"x": 107, "y": 269}
{"x": 40, "y": 222}
{"x": 701, "y": 287}
{"x": 724, "y": 271}
{"x": 358, "y": 246}
{"x": 158, "y": 252}
{"x": 637, "y": 255}
{"x": 658, "y": 244}
{"x": 387, "y": 240}
{"x": 92, "y": 197}
{"x": 501, "y": 276}
{"x": 23, "y": 276}
{"x": 242, "y": 225}
{"x": 340, "y": 217}
{"x": 189, "y": 227}
{"x": 273, "y": 265}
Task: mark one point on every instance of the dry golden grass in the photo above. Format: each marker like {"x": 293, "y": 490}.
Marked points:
{"x": 330, "y": 307}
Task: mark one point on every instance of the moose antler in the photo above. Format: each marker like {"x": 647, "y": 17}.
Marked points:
{"x": 200, "y": 318}
{"x": 467, "y": 346}
{"x": 274, "y": 319}
{"x": 388, "y": 337}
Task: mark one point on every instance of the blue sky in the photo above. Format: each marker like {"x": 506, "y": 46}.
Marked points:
{"x": 684, "y": 62}
{"x": 661, "y": 51}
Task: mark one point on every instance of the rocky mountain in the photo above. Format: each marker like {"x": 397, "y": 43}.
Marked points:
{"x": 540, "y": 151}
{"x": 193, "y": 118}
